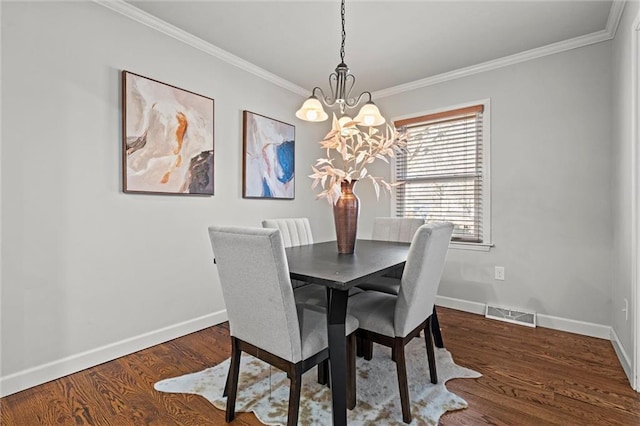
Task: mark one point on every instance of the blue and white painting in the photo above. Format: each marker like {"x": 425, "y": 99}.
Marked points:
{"x": 269, "y": 158}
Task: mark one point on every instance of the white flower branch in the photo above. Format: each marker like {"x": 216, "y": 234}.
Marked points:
{"x": 349, "y": 151}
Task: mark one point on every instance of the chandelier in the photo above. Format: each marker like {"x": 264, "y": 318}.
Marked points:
{"x": 341, "y": 83}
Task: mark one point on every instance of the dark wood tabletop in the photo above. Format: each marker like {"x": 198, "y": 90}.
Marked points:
{"x": 321, "y": 263}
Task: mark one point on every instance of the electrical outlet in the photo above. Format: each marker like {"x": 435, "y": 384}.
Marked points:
{"x": 499, "y": 273}
{"x": 626, "y": 309}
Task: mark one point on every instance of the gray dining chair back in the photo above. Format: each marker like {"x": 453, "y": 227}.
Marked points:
{"x": 421, "y": 276}
{"x": 394, "y": 320}
{"x": 254, "y": 276}
{"x": 399, "y": 229}
{"x": 294, "y": 231}
{"x": 264, "y": 319}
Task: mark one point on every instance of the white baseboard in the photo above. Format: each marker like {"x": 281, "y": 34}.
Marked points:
{"x": 625, "y": 361}
{"x": 547, "y": 321}
{"x": 461, "y": 305}
{"x": 573, "y": 326}
{"x": 53, "y": 370}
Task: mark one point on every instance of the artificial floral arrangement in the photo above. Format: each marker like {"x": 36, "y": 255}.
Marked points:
{"x": 349, "y": 151}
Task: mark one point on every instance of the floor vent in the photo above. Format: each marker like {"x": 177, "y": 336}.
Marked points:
{"x": 511, "y": 315}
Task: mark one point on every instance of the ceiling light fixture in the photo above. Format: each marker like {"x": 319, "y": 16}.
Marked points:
{"x": 341, "y": 83}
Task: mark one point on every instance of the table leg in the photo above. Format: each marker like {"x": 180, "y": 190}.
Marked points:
{"x": 336, "y": 316}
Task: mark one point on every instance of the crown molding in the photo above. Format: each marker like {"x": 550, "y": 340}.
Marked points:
{"x": 506, "y": 61}
{"x": 615, "y": 13}
{"x": 132, "y": 12}
{"x": 151, "y": 21}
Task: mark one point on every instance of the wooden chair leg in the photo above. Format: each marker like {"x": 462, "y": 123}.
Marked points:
{"x": 225, "y": 392}
{"x": 351, "y": 372}
{"x": 294, "y": 396}
{"x": 401, "y": 367}
{"x": 430, "y": 353}
{"x": 323, "y": 372}
{"x": 359, "y": 346}
{"x": 232, "y": 380}
{"x": 367, "y": 347}
{"x": 435, "y": 329}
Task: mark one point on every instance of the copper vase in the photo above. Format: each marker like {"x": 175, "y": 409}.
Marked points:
{"x": 345, "y": 215}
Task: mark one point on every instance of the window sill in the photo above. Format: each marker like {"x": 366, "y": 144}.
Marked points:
{"x": 470, "y": 246}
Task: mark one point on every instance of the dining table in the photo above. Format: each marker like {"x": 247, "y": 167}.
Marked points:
{"x": 320, "y": 263}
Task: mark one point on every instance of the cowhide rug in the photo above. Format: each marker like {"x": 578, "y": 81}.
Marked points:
{"x": 264, "y": 390}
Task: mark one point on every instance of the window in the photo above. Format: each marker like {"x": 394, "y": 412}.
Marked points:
{"x": 445, "y": 171}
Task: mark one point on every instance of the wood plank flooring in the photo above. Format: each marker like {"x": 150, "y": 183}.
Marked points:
{"x": 530, "y": 377}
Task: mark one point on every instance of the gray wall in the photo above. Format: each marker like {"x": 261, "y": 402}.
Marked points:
{"x": 83, "y": 265}
{"x": 622, "y": 178}
{"x": 551, "y": 184}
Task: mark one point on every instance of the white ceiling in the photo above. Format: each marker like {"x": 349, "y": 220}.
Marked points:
{"x": 388, "y": 43}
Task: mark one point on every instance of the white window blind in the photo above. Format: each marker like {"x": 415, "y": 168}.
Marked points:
{"x": 443, "y": 171}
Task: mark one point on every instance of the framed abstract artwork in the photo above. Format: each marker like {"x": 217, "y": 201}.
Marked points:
{"x": 268, "y": 166}
{"x": 167, "y": 137}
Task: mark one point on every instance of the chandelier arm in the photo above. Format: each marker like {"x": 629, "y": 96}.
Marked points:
{"x": 349, "y": 82}
{"x": 358, "y": 99}
{"x": 334, "y": 81}
{"x": 324, "y": 98}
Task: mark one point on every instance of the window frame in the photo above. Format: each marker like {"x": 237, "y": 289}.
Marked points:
{"x": 487, "y": 242}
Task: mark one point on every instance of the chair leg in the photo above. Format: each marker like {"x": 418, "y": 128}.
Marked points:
{"x": 232, "y": 380}
{"x": 430, "y": 353}
{"x": 359, "y": 346}
{"x": 367, "y": 348}
{"x": 294, "y": 396}
{"x": 323, "y": 372}
{"x": 225, "y": 392}
{"x": 401, "y": 367}
{"x": 435, "y": 329}
{"x": 351, "y": 372}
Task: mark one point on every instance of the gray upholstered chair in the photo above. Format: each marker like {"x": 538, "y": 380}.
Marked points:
{"x": 394, "y": 320}
{"x": 397, "y": 229}
{"x": 296, "y": 232}
{"x": 264, "y": 319}
{"x": 400, "y": 229}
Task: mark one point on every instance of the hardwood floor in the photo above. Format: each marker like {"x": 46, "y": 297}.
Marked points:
{"x": 530, "y": 377}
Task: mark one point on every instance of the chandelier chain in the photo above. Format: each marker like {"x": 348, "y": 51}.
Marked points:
{"x": 344, "y": 34}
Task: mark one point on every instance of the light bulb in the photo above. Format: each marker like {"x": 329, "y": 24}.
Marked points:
{"x": 346, "y": 131}
{"x": 312, "y": 115}
{"x": 311, "y": 110}
{"x": 369, "y": 115}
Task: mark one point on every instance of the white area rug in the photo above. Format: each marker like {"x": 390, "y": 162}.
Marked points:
{"x": 265, "y": 390}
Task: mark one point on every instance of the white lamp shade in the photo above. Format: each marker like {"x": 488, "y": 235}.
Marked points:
{"x": 369, "y": 115}
{"x": 347, "y": 131}
{"x": 311, "y": 110}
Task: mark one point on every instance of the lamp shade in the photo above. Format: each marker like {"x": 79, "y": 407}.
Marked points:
{"x": 311, "y": 110}
{"x": 347, "y": 131}
{"x": 369, "y": 115}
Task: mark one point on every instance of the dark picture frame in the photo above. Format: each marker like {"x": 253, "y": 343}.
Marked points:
{"x": 268, "y": 157}
{"x": 167, "y": 138}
